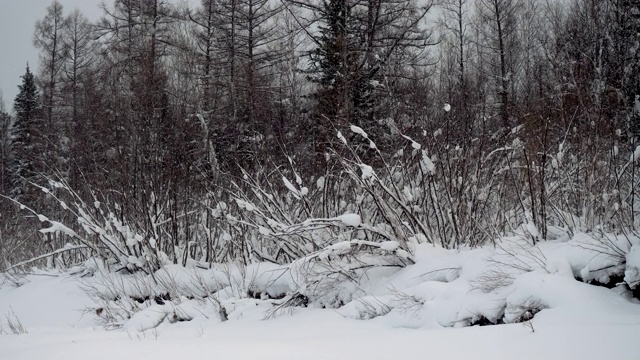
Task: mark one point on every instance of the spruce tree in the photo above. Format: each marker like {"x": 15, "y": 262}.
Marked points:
{"x": 360, "y": 46}
{"x": 5, "y": 122}
{"x": 334, "y": 71}
{"x": 25, "y": 135}
{"x": 333, "y": 62}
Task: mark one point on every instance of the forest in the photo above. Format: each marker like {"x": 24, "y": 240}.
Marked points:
{"x": 268, "y": 130}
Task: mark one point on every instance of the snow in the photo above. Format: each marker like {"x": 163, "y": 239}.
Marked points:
{"x": 264, "y": 231}
{"x": 148, "y": 319}
{"x": 427, "y": 163}
{"x": 414, "y": 144}
{"x": 367, "y": 171}
{"x": 295, "y": 192}
{"x": 57, "y": 227}
{"x": 289, "y": 185}
{"x": 559, "y": 266}
{"x": 352, "y": 220}
{"x": 532, "y": 229}
{"x": 421, "y": 309}
{"x": 632, "y": 272}
{"x": 389, "y": 245}
{"x": 636, "y": 154}
{"x": 358, "y": 130}
{"x": 341, "y": 247}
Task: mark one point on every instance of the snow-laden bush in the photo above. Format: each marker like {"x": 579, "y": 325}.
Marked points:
{"x": 98, "y": 230}
{"x": 175, "y": 293}
{"x": 406, "y": 199}
{"x": 331, "y": 277}
{"x": 511, "y": 282}
{"x": 426, "y": 191}
{"x": 367, "y": 214}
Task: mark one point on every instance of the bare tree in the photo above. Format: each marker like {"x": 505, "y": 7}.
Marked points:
{"x": 77, "y": 68}
{"x": 456, "y": 22}
{"x": 498, "y": 28}
{"x": 48, "y": 39}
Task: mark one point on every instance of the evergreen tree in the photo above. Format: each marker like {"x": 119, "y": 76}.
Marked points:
{"x": 332, "y": 59}
{"x": 362, "y": 49}
{"x": 25, "y": 136}
{"x": 333, "y": 69}
{"x": 5, "y": 123}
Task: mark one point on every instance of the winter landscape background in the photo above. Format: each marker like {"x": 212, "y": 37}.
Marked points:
{"x": 324, "y": 179}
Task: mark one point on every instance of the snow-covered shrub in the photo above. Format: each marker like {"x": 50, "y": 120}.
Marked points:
{"x": 331, "y": 277}
{"x": 97, "y": 228}
{"x": 175, "y": 293}
{"x": 493, "y": 279}
{"x": 368, "y": 307}
{"x": 368, "y": 212}
{"x": 407, "y": 198}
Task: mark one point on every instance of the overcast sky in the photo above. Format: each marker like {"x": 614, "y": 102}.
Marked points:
{"x": 17, "y": 20}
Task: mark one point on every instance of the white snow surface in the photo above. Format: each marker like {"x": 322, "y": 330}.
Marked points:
{"x": 632, "y": 273}
{"x": 416, "y": 312}
{"x": 350, "y": 219}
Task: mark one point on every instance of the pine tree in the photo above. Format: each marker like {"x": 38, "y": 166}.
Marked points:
{"x": 25, "y": 136}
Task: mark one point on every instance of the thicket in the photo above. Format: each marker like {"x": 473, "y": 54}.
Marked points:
{"x": 273, "y": 131}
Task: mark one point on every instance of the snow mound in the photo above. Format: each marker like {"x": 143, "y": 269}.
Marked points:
{"x": 430, "y": 292}
{"x": 431, "y": 288}
{"x": 632, "y": 272}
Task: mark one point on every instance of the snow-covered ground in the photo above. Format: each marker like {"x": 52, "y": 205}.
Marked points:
{"x": 417, "y": 313}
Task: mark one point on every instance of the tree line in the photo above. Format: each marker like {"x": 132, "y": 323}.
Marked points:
{"x": 529, "y": 110}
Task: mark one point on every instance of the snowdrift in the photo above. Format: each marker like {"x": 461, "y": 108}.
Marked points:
{"x": 538, "y": 296}
{"x": 510, "y": 282}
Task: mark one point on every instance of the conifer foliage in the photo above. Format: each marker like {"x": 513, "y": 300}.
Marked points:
{"x": 5, "y": 125}
{"x": 26, "y": 138}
